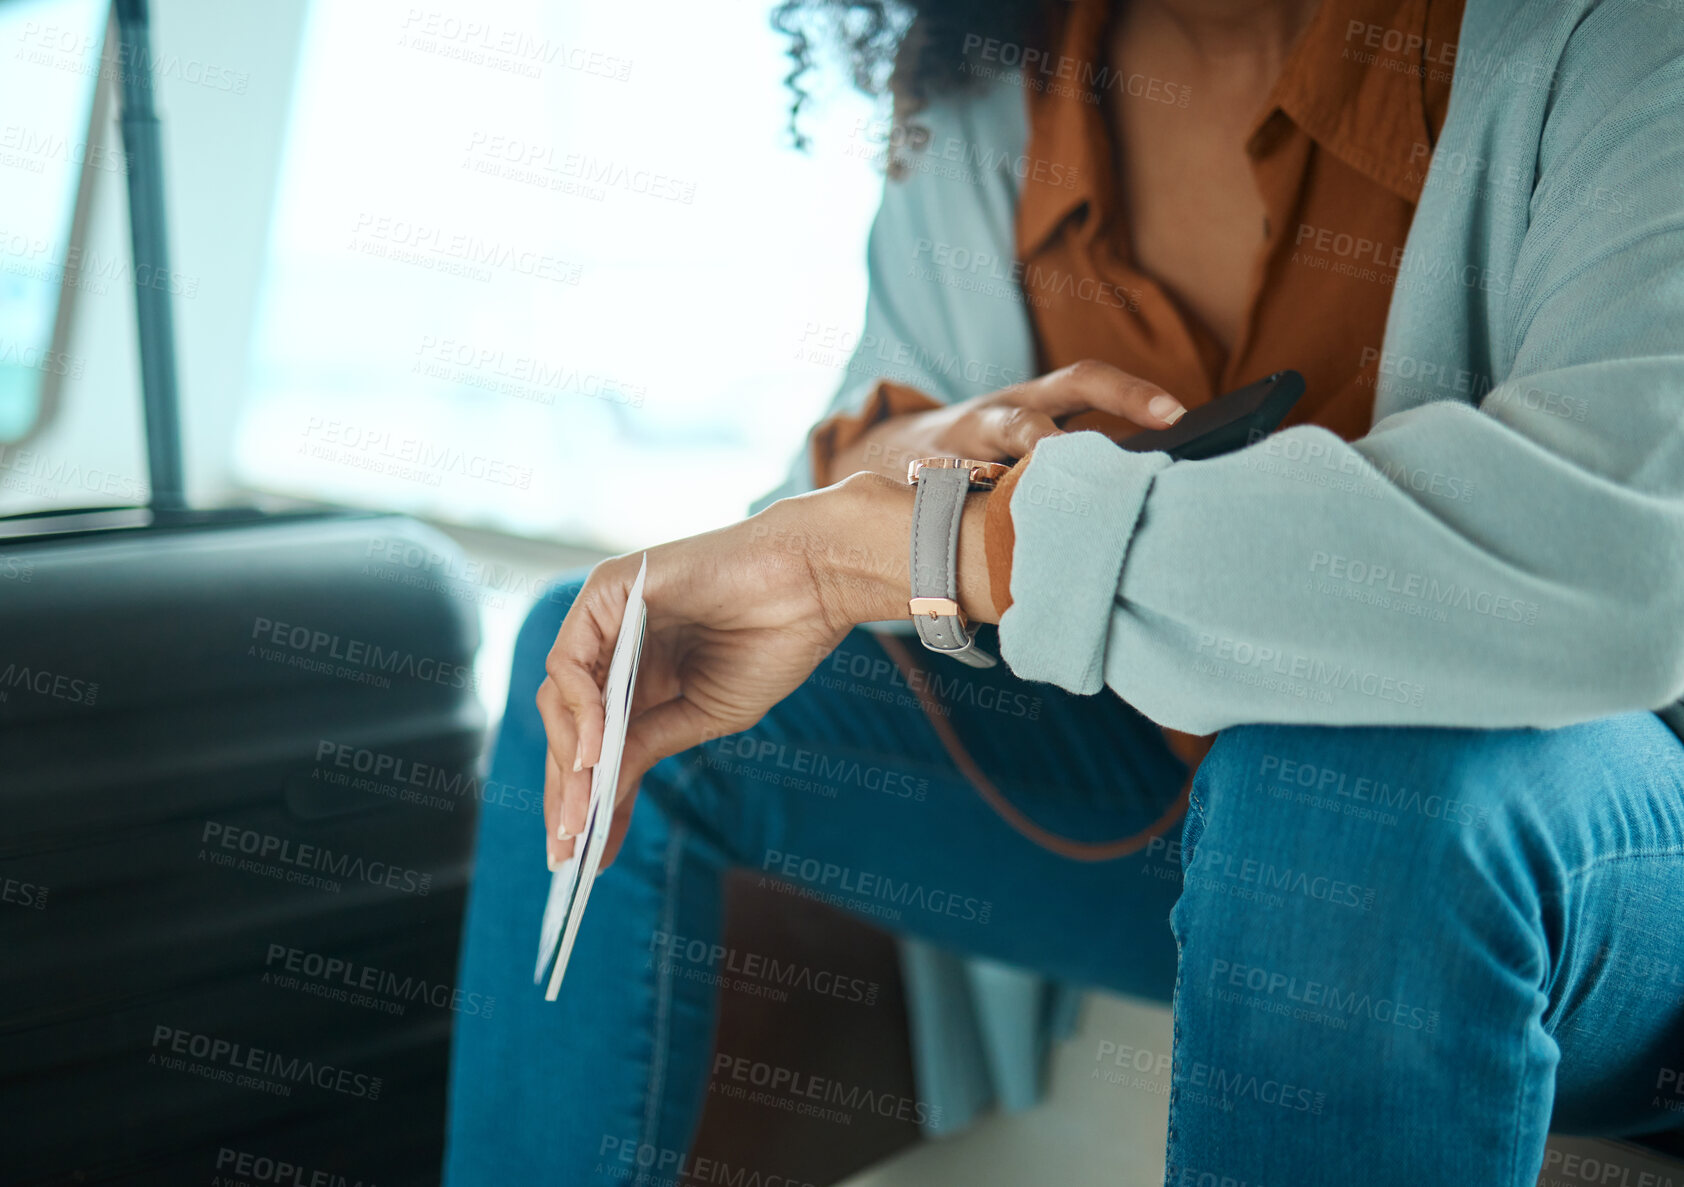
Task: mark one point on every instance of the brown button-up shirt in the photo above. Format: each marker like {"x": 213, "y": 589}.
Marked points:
{"x": 1339, "y": 153}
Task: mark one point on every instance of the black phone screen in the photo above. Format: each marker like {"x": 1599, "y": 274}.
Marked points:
{"x": 1227, "y": 423}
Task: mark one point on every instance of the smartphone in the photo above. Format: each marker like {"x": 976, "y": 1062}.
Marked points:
{"x": 1227, "y": 423}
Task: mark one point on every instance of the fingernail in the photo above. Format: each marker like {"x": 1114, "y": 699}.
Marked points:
{"x": 549, "y": 859}
{"x": 1166, "y": 408}
{"x": 561, "y": 833}
{"x": 579, "y": 757}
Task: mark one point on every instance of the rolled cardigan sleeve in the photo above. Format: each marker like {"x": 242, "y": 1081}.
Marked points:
{"x": 1516, "y": 564}
{"x": 999, "y": 538}
{"x": 1074, "y": 507}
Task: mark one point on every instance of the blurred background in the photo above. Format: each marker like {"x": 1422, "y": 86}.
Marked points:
{"x": 422, "y": 253}
{"x": 549, "y": 277}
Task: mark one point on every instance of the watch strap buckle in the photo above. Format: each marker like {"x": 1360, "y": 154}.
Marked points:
{"x": 942, "y": 484}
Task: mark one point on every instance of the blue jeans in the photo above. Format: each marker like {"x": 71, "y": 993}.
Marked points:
{"x": 1397, "y": 956}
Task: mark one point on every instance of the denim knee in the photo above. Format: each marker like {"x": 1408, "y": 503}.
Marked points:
{"x": 538, "y": 632}
{"x": 1368, "y": 833}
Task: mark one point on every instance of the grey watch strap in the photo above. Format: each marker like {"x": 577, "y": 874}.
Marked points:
{"x": 936, "y": 511}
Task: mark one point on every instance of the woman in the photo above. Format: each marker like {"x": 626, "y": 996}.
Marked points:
{"x": 1427, "y": 903}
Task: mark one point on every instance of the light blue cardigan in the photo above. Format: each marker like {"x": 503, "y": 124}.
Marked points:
{"x": 1506, "y": 545}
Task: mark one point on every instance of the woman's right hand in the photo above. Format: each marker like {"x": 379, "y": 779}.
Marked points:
{"x": 1004, "y": 426}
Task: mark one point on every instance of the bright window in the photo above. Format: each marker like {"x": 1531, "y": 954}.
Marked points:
{"x": 51, "y": 49}
{"x": 554, "y": 268}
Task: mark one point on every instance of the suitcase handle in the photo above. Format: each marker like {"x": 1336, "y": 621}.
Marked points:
{"x": 153, "y": 313}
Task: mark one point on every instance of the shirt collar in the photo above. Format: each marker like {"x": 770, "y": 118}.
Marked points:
{"x": 1067, "y": 128}
{"x": 1354, "y": 83}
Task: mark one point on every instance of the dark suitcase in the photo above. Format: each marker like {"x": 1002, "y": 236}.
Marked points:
{"x": 237, "y": 796}
{"x": 237, "y": 780}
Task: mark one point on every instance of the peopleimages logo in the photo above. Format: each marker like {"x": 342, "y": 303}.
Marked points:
{"x": 314, "y": 649}
{"x": 1323, "y": 450}
{"x": 1383, "y": 578}
{"x": 1670, "y": 1081}
{"x": 1209, "y": 863}
{"x": 434, "y": 569}
{"x": 1347, "y": 246}
{"x": 34, "y": 472}
{"x": 34, "y": 358}
{"x": 864, "y": 884}
{"x": 308, "y": 861}
{"x": 1349, "y": 1003}
{"x": 34, "y": 895}
{"x": 672, "y": 950}
{"x": 1424, "y": 374}
{"x": 1330, "y": 781}
{"x": 1192, "y": 1176}
{"x": 871, "y": 354}
{"x": 524, "y": 377}
{"x": 426, "y": 784}
{"x": 29, "y": 149}
{"x": 46, "y": 683}
{"x": 938, "y": 691}
{"x": 77, "y": 51}
{"x": 452, "y": 252}
{"x": 338, "y": 979}
{"x": 1115, "y": 1062}
{"x": 507, "y": 50}
{"x": 888, "y": 134}
{"x": 1205, "y": 1083}
{"x": 789, "y": 1083}
{"x": 261, "y": 1168}
{"x": 16, "y": 568}
{"x": 680, "y": 1167}
{"x": 1017, "y": 277}
{"x": 383, "y": 451}
{"x": 1562, "y": 1166}
{"x": 831, "y": 770}
{"x": 1315, "y": 671}
{"x": 542, "y": 164}
{"x": 237, "y": 1057}
{"x": 982, "y": 54}
{"x": 87, "y": 269}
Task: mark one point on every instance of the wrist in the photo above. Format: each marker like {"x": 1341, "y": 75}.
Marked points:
{"x": 869, "y": 567}
{"x": 862, "y": 558}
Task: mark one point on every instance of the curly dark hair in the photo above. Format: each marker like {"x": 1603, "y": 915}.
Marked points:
{"x": 912, "y": 49}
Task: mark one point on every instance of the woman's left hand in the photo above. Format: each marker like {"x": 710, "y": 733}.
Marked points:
{"x": 737, "y": 619}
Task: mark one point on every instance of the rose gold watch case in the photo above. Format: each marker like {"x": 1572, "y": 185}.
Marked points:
{"x": 983, "y": 474}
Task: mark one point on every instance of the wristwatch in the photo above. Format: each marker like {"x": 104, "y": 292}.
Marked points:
{"x": 943, "y": 483}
